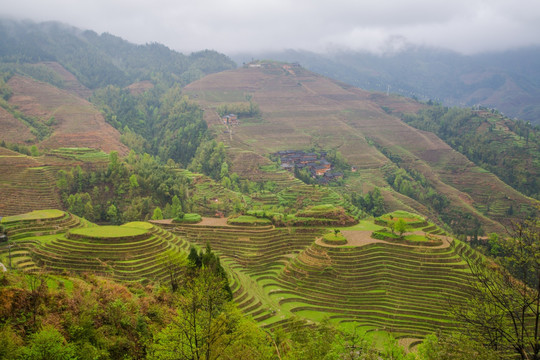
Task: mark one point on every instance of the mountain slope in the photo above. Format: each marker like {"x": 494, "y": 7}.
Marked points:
{"x": 74, "y": 121}
{"x": 302, "y": 110}
{"x": 27, "y": 184}
{"x": 508, "y": 81}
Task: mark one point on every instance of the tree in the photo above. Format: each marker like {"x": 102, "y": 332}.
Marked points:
{"x": 400, "y": 226}
{"x": 194, "y": 258}
{"x": 175, "y": 265}
{"x": 158, "y": 215}
{"x": 34, "y": 151}
{"x": 224, "y": 172}
{"x": 504, "y": 307}
{"x": 133, "y": 183}
{"x": 353, "y": 345}
{"x": 112, "y": 214}
{"x": 452, "y": 347}
{"x": 176, "y": 207}
{"x": 89, "y": 213}
{"x": 10, "y": 343}
{"x": 48, "y": 344}
{"x": 114, "y": 163}
{"x": 206, "y": 323}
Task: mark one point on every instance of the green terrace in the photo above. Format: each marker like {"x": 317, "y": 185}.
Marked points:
{"x": 403, "y": 285}
{"x": 61, "y": 242}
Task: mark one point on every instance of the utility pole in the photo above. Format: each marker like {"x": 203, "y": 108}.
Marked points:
{"x": 9, "y": 249}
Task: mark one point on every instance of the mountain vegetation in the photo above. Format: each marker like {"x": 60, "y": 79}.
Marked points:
{"x": 138, "y": 224}
{"x": 508, "y": 148}
{"x": 100, "y": 60}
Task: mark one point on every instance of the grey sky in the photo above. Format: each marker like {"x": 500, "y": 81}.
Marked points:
{"x": 229, "y": 26}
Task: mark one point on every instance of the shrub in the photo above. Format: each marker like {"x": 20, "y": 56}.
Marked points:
{"x": 188, "y": 219}
{"x": 247, "y": 220}
{"x": 334, "y": 239}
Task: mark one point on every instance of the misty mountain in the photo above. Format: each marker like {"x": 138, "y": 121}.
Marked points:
{"x": 507, "y": 81}
{"x": 99, "y": 60}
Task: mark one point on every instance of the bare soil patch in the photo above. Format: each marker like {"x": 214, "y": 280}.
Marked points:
{"x": 208, "y": 221}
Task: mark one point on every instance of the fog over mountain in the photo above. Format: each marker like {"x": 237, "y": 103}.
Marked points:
{"x": 229, "y": 26}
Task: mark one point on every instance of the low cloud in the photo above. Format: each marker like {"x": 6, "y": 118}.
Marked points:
{"x": 233, "y": 26}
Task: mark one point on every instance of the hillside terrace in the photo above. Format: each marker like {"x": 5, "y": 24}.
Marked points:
{"x": 316, "y": 164}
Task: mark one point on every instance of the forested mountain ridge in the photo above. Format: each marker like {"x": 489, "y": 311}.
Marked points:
{"x": 136, "y": 88}
{"x": 100, "y": 60}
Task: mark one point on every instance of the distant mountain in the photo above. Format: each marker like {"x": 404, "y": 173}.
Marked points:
{"x": 100, "y": 60}
{"x": 508, "y": 81}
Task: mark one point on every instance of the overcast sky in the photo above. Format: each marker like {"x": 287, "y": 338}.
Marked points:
{"x": 230, "y": 26}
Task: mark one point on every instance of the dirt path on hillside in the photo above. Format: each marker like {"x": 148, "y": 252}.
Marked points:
{"x": 208, "y": 221}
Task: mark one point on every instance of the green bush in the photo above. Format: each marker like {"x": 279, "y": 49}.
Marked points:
{"x": 334, "y": 239}
{"x": 188, "y": 219}
{"x": 248, "y": 220}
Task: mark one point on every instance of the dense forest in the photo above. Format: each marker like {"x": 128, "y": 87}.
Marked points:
{"x": 101, "y": 60}
{"x": 136, "y": 187}
{"x": 162, "y": 122}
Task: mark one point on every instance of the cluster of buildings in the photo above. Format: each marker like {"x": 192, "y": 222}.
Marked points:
{"x": 316, "y": 164}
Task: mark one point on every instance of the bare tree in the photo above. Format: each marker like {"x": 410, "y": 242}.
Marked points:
{"x": 504, "y": 308}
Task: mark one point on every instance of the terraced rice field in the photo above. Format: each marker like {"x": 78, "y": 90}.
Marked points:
{"x": 314, "y": 112}
{"x": 27, "y": 184}
{"x": 62, "y": 242}
{"x": 276, "y": 273}
{"x": 380, "y": 285}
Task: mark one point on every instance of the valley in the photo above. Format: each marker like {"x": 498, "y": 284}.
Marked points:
{"x": 285, "y": 212}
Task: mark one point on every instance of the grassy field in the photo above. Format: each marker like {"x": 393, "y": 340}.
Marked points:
{"x": 248, "y": 220}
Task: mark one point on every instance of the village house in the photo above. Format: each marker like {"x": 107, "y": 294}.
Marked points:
{"x": 230, "y": 119}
